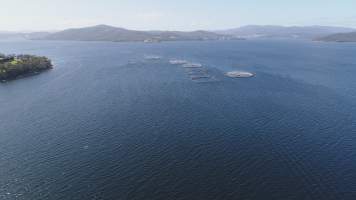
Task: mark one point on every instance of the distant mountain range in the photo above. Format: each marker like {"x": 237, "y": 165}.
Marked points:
{"x": 115, "y": 34}
{"x": 339, "y": 37}
{"x": 7, "y": 35}
{"x": 4, "y": 35}
{"x": 298, "y": 32}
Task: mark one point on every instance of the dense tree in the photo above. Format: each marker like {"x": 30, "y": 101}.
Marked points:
{"x": 13, "y": 66}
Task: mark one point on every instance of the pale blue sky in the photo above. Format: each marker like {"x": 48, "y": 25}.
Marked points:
{"x": 173, "y": 14}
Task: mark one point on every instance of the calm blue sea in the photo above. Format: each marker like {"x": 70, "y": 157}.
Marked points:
{"x": 108, "y": 124}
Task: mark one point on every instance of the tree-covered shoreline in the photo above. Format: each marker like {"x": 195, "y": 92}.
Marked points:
{"x": 15, "y": 66}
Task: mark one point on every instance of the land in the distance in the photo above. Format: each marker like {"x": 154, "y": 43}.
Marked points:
{"x": 115, "y": 34}
{"x": 15, "y": 66}
{"x": 287, "y": 32}
{"x": 339, "y": 37}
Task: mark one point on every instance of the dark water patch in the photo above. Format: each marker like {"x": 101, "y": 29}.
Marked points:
{"x": 102, "y": 127}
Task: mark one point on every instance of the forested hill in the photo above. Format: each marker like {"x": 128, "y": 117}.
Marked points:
{"x": 14, "y": 66}
{"x": 114, "y": 34}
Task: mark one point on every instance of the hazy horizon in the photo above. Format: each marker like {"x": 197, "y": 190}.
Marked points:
{"x": 42, "y": 15}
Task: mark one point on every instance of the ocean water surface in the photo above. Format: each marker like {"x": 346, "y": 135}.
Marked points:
{"x": 108, "y": 124}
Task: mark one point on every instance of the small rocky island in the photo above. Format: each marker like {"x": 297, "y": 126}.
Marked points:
{"x": 15, "y": 66}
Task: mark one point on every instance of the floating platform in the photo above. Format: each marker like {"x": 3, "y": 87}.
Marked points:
{"x": 200, "y": 77}
{"x": 152, "y": 57}
{"x": 192, "y": 65}
{"x": 239, "y": 74}
{"x": 178, "y": 62}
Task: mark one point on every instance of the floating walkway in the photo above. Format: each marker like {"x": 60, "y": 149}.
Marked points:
{"x": 195, "y": 71}
{"x": 178, "y": 62}
{"x": 239, "y": 74}
{"x": 152, "y": 57}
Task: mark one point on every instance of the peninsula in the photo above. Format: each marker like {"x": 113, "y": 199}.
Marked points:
{"x": 116, "y": 34}
{"x": 340, "y": 37}
{"x": 15, "y": 66}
